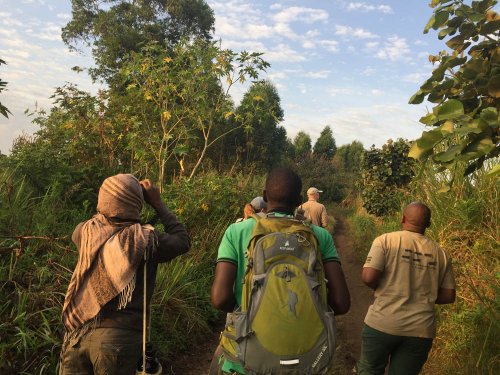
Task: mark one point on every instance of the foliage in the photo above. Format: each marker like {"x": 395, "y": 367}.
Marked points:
{"x": 322, "y": 174}
{"x": 465, "y": 222}
{"x": 114, "y": 28}
{"x": 465, "y": 87}
{"x": 186, "y": 99}
{"x": 303, "y": 146}
{"x": 37, "y": 258}
{"x": 385, "y": 173}
{"x": 77, "y": 132}
{"x": 350, "y": 156}
{"x": 261, "y": 140}
{"x": 4, "y": 111}
{"x": 325, "y": 146}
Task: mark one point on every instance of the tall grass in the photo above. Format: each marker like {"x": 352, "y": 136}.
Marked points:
{"x": 465, "y": 222}
{"x": 37, "y": 260}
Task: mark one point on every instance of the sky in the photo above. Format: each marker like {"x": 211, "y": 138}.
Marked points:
{"x": 350, "y": 65}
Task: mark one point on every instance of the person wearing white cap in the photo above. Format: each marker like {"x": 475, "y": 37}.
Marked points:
{"x": 313, "y": 210}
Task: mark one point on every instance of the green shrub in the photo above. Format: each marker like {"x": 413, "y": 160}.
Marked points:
{"x": 34, "y": 278}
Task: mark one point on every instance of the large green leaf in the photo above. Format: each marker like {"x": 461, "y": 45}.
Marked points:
{"x": 490, "y": 27}
{"x": 417, "y": 98}
{"x": 419, "y": 153}
{"x": 429, "y": 119}
{"x": 479, "y": 147}
{"x": 449, "y": 110}
{"x": 448, "y": 155}
{"x": 430, "y": 23}
{"x": 494, "y": 86}
{"x": 495, "y": 171}
{"x": 440, "y": 19}
{"x": 490, "y": 116}
{"x": 456, "y": 42}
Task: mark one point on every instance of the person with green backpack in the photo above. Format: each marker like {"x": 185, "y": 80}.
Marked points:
{"x": 281, "y": 282}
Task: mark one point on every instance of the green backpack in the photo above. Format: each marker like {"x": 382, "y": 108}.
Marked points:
{"x": 284, "y": 324}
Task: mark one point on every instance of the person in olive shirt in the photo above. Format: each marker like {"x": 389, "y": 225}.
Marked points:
{"x": 410, "y": 273}
{"x": 103, "y": 308}
{"x": 282, "y": 194}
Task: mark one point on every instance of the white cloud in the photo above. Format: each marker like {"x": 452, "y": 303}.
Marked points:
{"x": 368, "y": 71}
{"x": 308, "y": 15}
{"x": 318, "y": 75}
{"x": 50, "y": 31}
{"x": 283, "y": 52}
{"x": 330, "y": 45}
{"x": 334, "y": 91}
{"x": 372, "y": 45}
{"x": 416, "y": 77}
{"x": 368, "y": 7}
{"x": 395, "y": 48}
{"x": 357, "y": 33}
{"x": 376, "y": 92}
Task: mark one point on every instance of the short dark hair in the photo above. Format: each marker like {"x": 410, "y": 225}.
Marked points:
{"x": 284, "y": 187}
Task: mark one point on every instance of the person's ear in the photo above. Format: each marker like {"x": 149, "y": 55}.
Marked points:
{"x": 403, "y": 219}
{"x": 428, "y": 224}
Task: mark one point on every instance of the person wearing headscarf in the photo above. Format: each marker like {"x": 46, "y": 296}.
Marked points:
{"x": 103, "y": 308}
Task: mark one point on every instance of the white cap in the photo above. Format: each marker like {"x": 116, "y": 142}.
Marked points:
{"x": 313, "y": 190}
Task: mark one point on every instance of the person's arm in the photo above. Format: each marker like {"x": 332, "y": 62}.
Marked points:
{"x": 175, "y": 240}
{"x": 447, "y": 288}
{"x": 445, "y": 296}
{"x": 371, "y": 277}
{"x": 324, "y": 218}
{"x": 338, "y": 294}
{"x": 222, "y": 294}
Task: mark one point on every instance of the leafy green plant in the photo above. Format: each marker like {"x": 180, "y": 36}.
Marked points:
{"x": 4, "y": 111}
{"x": 385, "y": 173}
{"x": 464, "y": 86}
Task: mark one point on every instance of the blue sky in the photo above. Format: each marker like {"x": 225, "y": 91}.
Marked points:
{"x": 351, "y": 65}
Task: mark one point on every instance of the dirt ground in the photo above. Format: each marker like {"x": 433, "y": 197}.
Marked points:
{"x": 348, "y": 326}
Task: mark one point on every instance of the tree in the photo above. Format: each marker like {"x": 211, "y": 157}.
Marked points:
{"x": 77, "y": 146}
{"x": 325, "y": 146}
{"x": 114, "y": 28}
{"x": 4, "y": 111}
{"x": 464, "y": 86}
{"x": 302, "y": 145}
{"x": 385, "y": 173}
{"x": 185, "y": 99}
{"x": 263, "y": 141}
{"x": 350, "y": 156}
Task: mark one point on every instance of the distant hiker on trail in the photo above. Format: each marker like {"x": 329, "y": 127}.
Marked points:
{"x": 256, "y": 206}
{"x": 103, "y": 308}
{"x": 410, "y": 274}
{"x": 282, "y": 194}
{"x": 313, "y": 210}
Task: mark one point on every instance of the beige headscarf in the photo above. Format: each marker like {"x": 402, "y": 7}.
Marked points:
{"x": 109, "y": 253}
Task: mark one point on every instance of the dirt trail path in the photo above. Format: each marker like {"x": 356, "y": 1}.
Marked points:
{"x": 349, "y": 326}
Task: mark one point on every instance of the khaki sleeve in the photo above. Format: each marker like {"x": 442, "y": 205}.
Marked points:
{"x": 376, "y": 255}
{"x": 448, "y": 280}
{"x": 324, "y": 218}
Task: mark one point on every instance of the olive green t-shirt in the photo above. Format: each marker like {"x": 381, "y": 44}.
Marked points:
{"x": 413, "y": 269}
